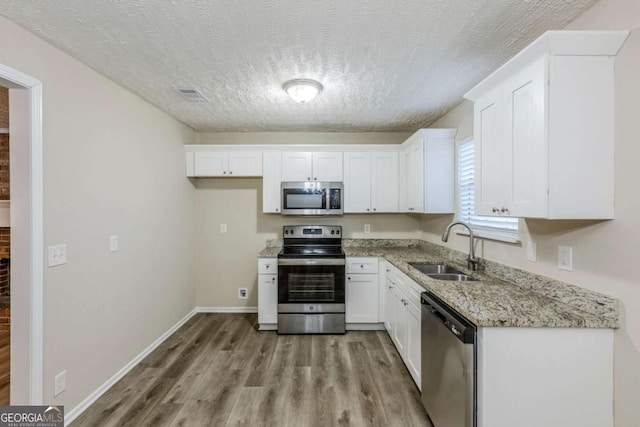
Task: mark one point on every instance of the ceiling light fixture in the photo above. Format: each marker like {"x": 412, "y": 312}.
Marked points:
{"x": 302, "y": 90}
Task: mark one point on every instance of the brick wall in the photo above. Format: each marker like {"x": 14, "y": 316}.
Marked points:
{"x": 5, "y": 246}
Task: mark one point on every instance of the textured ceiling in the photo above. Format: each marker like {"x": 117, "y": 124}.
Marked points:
{"x": 386, "y": 65}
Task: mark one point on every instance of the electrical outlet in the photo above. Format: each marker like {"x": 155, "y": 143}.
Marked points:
{"x": 60, "y": 383}
{"x": 113, "y": 243}
{"x": 367, "y": 228}
{"x": 565, "y": 258}
{"x": 223, "y": 228}
{"x": 532, "y": 249}
{"x": 243, "y": 293}
{"x": 57, "y": 255}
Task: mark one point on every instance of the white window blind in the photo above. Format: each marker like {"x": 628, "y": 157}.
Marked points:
{"x": 491, "y": 227}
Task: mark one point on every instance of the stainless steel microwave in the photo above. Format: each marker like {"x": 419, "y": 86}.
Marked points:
{"x": 312, "y": 198}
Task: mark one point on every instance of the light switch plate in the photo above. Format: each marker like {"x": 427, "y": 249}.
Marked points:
{"x": 57, "y": 255}
{"x": 113, "y": 243}
{"x": 367, "y": 228}
{"x": 223, "y": 228}
{"x": 532, "y": 249}
{"x": 60, "y": 383}
{"x": 565, "y": 258}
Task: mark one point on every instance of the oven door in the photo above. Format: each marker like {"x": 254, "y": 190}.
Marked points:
{"x": 311, "y": 281}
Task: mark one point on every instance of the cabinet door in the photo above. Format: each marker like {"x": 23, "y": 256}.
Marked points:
{"x": 211, "y": 163}
{"x": 414, "y": 187}
{"x": 414, "y": 343}
{"x": 525, "y": 98}
{"x": 267, "y": 298}
{"x": 399, "y": 336}
{"x": 362, "y": 298}
{"x": 327, "y": 167}
{"x": 271, "y": 172}
{"x": 357, "y": 182}
{"x": 245, "y": 163}
{"x": 296, "y": 166}
{"x": 384, "y": 182}
{"x": 389, "y": 306}
{"x": 490, "y": 154}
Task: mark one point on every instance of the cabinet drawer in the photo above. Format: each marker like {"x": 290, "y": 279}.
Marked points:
{"x": 267, "y": 266}
{"x": 362, "y": 265}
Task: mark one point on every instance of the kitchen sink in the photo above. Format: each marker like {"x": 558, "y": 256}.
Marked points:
{"x": 434, "y": 268}
{"x": 442, "y": 272}
{"x": 456, "y": 277}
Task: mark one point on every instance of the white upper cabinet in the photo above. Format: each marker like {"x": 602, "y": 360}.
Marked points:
{"x": 224, "y": 163}
{"x": 544, "y": 129}
{"x": 371, "y": 182}
{"x": 271, "y": 173}
{"x": 427, "y": 172}
{"x": 305, "y": 166}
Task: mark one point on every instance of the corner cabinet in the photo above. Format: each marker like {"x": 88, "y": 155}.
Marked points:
{"x": 544, "y": 129}
{"x": 427, "y": 172}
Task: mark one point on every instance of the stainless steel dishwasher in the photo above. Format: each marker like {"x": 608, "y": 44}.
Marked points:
{"x": 448, "y": 365}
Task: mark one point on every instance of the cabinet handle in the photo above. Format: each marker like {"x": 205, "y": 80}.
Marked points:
{"x": 374, "y": 209}
{"x": 503, "y": 210}
{"x": 494, "y": 210}
{"x": 267, "y": 266}
{"x": 277, "y": 210}
{"x": 308, "y": 178}
{"x": 388, "y": 270}
{"x": 224, "y": 172}
{"x": 273, "y": 279}
{"x": 406, "y": 303}
{"x": 348, "y": 278}
{"x": 315, "y": 179}
{"x": 230, "y": 172}
{"x": 367, "y": 209}
{"x": 361, "y": 266}
{"x": 388, "y": 286}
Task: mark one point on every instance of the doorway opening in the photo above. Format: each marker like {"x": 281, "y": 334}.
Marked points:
{"x": 25, "y": 187}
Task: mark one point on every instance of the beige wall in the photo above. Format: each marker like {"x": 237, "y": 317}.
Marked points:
{"x": 113, "y": 164}
{"x": 225, "y": 262}
{"x": 605, "y": 252}
{"x": 301, "y": 137}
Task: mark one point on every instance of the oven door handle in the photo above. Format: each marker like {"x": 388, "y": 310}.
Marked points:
{"x": 319, "y": 261}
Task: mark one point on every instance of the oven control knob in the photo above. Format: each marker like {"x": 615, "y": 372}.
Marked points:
{"x": 286, "y": 231}
{"x": 337, "y": 231}
{"x": 310, "y": 308}
{"x": 333, "y": 231}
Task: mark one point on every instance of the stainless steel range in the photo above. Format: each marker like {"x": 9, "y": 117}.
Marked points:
{"x": 311, "y": 285}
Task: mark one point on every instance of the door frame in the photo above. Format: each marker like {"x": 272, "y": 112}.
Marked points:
{"x": 14, "y": 79}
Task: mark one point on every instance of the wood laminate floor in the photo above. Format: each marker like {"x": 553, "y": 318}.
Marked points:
{"x": 219, "y": 370}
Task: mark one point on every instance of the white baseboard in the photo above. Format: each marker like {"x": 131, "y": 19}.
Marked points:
{"x": 75, "y": 412}
{"x": 226, "y": 309}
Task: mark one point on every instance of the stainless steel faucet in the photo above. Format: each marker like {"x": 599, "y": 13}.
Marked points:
{"x": 472, "y": 262}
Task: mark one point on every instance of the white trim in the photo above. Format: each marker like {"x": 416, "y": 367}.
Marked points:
{"x": 4, "y": 130}
{"x": 36, "y": 339}
{"x": 226, "y": 309}
{"x": 268, "y": 327}
{"x": 365, "y": 327}
{"x": 89, "y": 400}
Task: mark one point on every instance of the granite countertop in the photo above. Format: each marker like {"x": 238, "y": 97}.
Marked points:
{"x": 502, "y": 296}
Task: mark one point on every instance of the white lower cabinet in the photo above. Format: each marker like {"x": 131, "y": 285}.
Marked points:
{"x": 362, "y": 290}
{"x": 267, "y": 293}
{"x": 402, "y": 318}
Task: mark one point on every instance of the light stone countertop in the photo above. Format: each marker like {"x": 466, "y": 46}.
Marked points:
{"x": 523, "y": 300}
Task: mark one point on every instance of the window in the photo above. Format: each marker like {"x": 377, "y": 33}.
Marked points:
{"x": 490, "y": 227}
